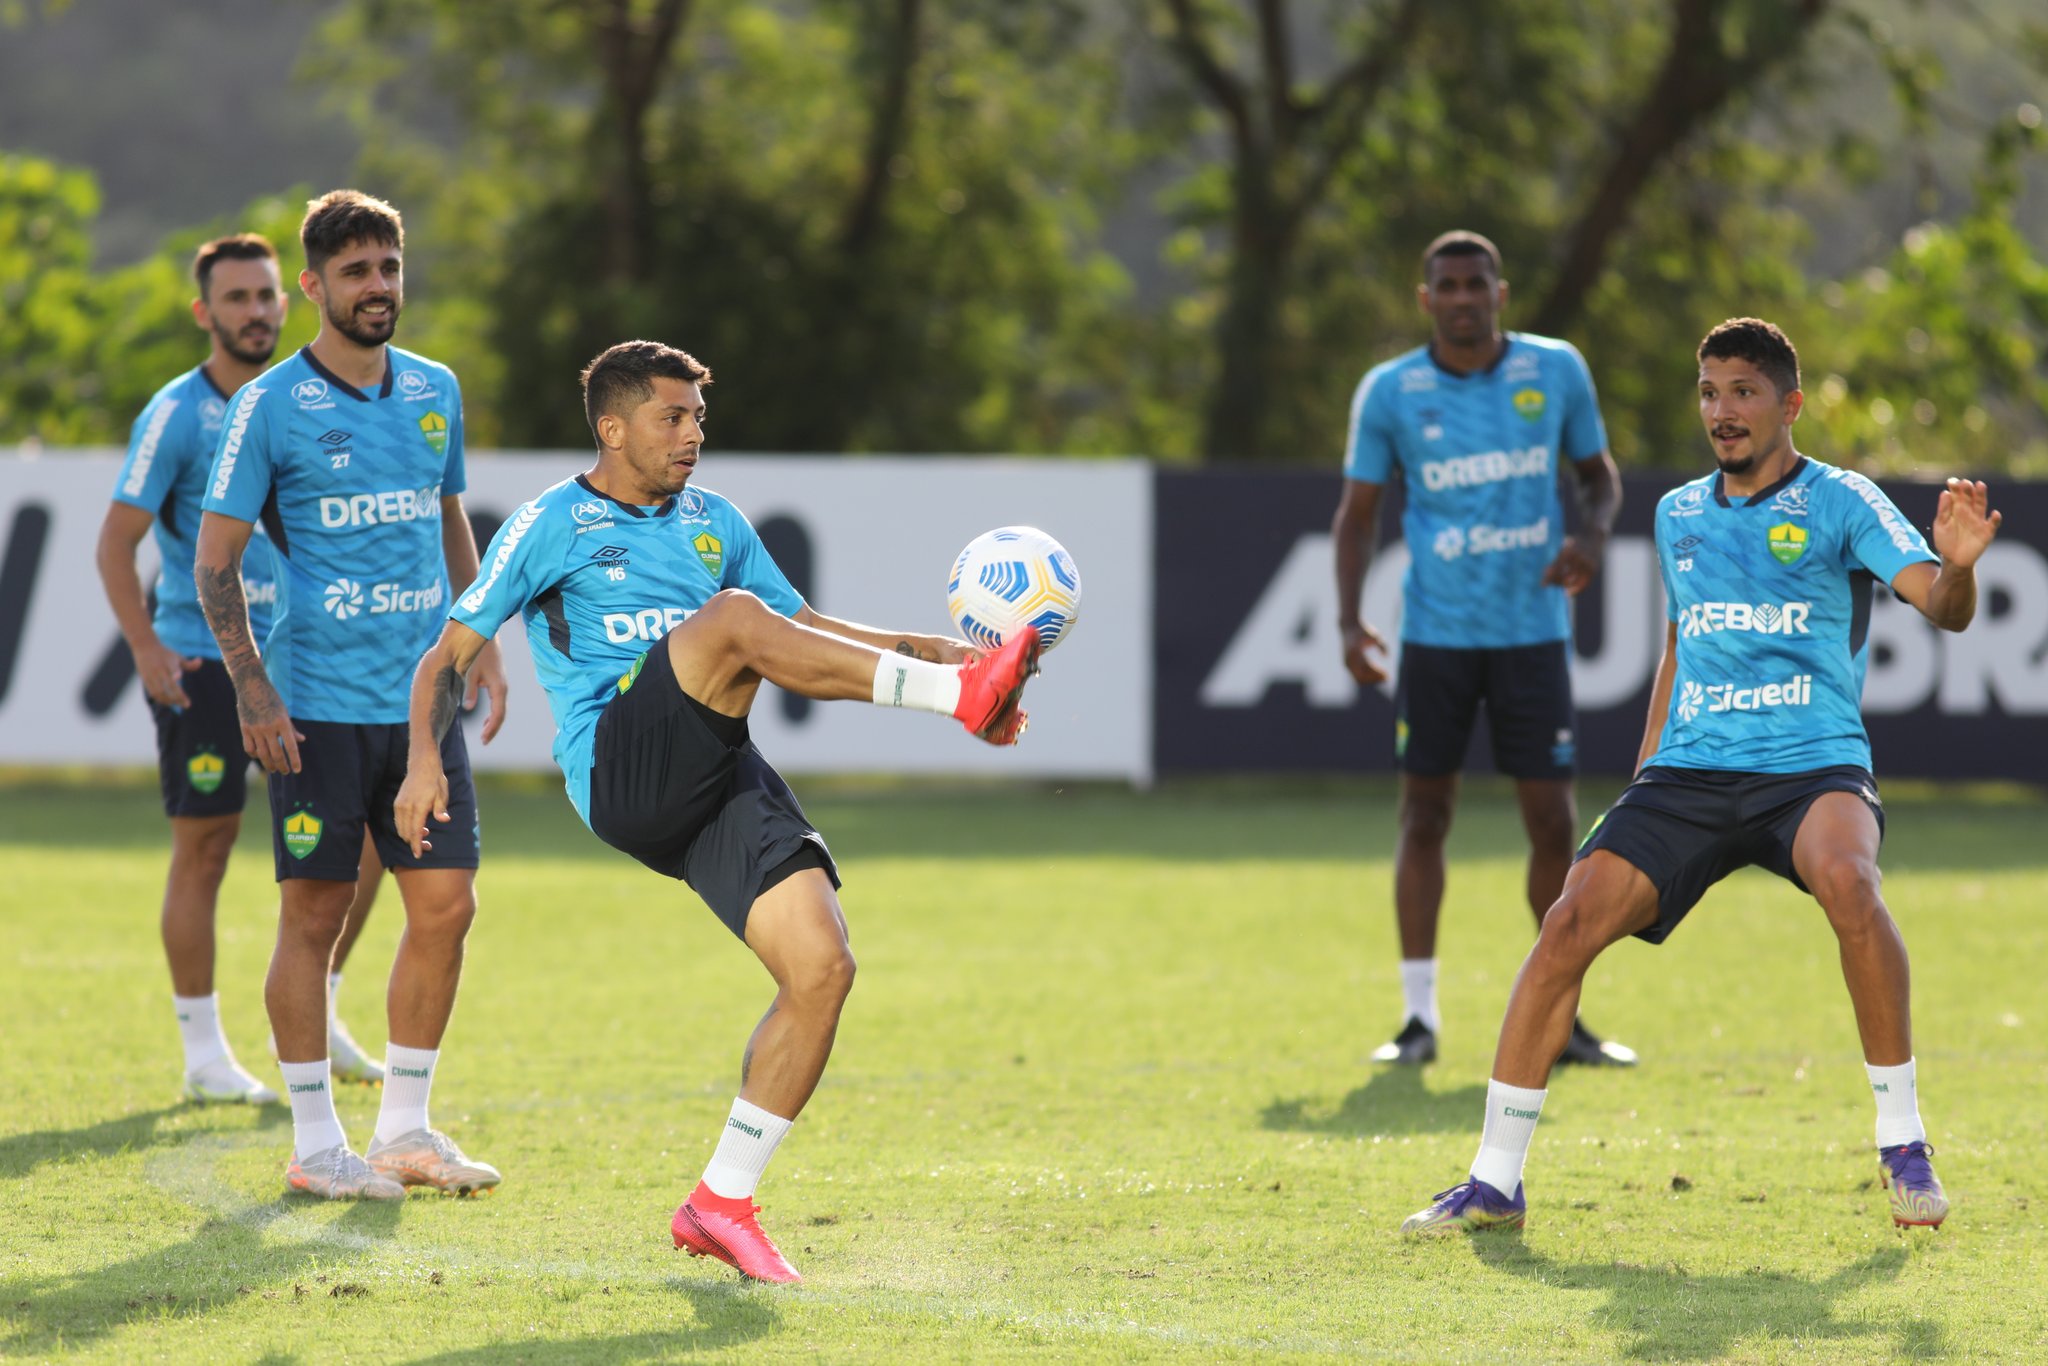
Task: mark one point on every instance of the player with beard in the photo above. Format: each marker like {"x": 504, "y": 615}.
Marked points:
{"x": 1754, "y": 754}
{"x": 202, "y": 768}
{"x": 351, "y": 455}
{"x": 654, "y": 613}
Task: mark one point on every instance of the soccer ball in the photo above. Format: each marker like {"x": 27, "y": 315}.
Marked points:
{"x": 1011, "y": 578}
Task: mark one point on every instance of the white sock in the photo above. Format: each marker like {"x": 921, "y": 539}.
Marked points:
{"x": 750, "y": 1139}
{"x": 1511, "y": 1113}
{"x": 901, "y": 681}
{"x": 199, "y": 1026}
{"x": 1418, "y": 990}
{"x": 408, "y": 1077}
{"x": 333, "y": 991}
{"x": 315, "y": 1126}
{"x": 1898, "y": 1104}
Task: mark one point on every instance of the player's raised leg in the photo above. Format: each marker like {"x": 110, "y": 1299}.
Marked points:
{"x": 799, "y": 933}
{"x": 1605, "y": 899}
{"x": 1550, "y": 818}
{"x": 440, "y": 906}
{"x": 1835, "y": 854}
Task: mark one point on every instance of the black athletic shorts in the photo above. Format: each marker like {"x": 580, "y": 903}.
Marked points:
{"x": 694, "y": 804}
{"x": 1687, "y": 828}
{"x": 1527, "y": 690}
{"x": 200, "y": 763}
{"x": 349, "y": 775}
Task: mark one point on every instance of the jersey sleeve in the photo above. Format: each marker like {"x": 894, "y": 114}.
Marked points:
{"x": 243, "y": 463}
{"x": 1878, "y": 537}
{"x": 1584, "y": 434}
{"x": 748, "y": 565}
{"x": 522, "y": 561}
{"x": 151, "y": 467}
{"x": 1369, "y": 451}
{"x": 454, "y": 475}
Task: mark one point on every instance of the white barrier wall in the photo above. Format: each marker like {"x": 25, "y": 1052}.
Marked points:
{"x": 880, "y": 535}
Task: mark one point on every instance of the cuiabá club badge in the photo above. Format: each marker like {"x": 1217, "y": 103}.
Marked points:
{"x": 301, "y": 832}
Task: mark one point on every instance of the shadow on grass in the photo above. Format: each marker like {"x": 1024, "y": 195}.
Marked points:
{"x": 1666, "y": 1313}
{"x": 225, "y": 1259}
{"x": 727, "y": 1315}
{"x": 1394, "y": 1101}
{"x": 21, "y": 1154}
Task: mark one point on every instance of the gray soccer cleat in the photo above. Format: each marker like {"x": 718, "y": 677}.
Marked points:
{"x": 428, "y": 1157}
{"x": 337, "y": 1174}
{"x": 347, "y": 1061}
{"x": 225, "y": 1081}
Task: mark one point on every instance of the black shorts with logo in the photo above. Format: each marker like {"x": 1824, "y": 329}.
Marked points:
{"x": 200, "y": 763}
{"x": 1527, "y": 691}
{"x": 709, "y": 811}
{"x": 349, "y": 775}
{"x": 1687, "y": 828}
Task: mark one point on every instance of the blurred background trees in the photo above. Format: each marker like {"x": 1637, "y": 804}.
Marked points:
{"x": 1179, "y": 228}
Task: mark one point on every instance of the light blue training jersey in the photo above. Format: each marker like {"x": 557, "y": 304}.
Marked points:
{"x": 170, "y": 450}
{"x": 1771, "y": 597}
{"x": 1479, "y": 455}
{"x": 349, "y": 485}
{"x": 598, "y": 582}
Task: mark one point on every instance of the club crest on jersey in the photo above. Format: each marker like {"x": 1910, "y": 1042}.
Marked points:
{"x": 711, "y": 550}
{"x": 434, "y": 428}
{"x": 301, "y": 833}
{"x": 1529, "y": 403}
{"x": 204, "y": 770}
{"x": 1788, "y": 542}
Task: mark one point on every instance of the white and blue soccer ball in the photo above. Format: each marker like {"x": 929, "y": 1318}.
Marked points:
{"x": 1012, "y": 578}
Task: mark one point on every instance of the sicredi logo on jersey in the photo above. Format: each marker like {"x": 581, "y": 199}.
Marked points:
{"x": 1719, "y": 697}
{"x": 344, "y": 598}
{"x": 1764, "y": 618}
{"x": 382, "y": 508}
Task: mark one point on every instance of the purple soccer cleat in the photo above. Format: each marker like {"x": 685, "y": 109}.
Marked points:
{"x": 1918, "y": 1200}
{"x": 1471, "y": 1206}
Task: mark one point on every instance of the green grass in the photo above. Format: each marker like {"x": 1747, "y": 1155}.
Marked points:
{"x": 1100, "y": 1093}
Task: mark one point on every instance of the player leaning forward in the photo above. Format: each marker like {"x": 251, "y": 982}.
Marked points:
{"x": 1754, "y": 753}
{"x": 654, "y": 613}
{"x": 350, "y": 452}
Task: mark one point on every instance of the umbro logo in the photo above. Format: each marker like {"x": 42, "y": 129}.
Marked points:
{"x": 609, "y": 552}
{"x": 1688, "y": 543}
{"x": 333, "y": 438}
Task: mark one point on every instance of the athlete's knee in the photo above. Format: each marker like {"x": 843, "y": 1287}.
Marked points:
{"x": 205, "y": 848}
{"x": 1576, "y": 929}
{"x": 1425, "y": 817}
{"x": 443, "y": 917}
{"x": 315, "y": 910}
{"x": 1550, "y": 827}
{"x": 822, "y": 977}
{"x": 1848, "y": 889}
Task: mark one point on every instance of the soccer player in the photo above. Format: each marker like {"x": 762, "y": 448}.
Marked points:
{"x": 1754, "y": 753}
{"x": 350, "y": 453}
{"x": 654, "y": 613}
{"x": 1474, "y": 423}
{"x": 201, "y": 767}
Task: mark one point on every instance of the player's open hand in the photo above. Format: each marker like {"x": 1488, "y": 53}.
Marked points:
{"x": 1576, "y": 564}
{"x": 424, "y": 793}
{"x": 1964, "y": 527}
{"x": 487, "y": 677}
{"x": 267, "y": 732}
{"x": 162, "y": 671}
{"x": 1359, "y": 640}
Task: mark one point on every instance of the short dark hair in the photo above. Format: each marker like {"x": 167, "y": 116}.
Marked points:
{"x": 621, "y": 377}
{"x": 241, "y": 246}
{"x": 340, "y": 218}
{"x": 1761, "y": 344}
{"x": 1459, "y": 242}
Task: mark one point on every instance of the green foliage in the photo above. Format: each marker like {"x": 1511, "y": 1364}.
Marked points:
{"x": 93, "y": 346}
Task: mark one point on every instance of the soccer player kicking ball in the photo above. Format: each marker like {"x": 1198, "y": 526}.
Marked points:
{"x": 1754, "y": 753}
{"x": 654, "y": 613}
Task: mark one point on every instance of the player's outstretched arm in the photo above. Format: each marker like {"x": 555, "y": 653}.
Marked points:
{"x": 1964, "y": 527}
{"x": 437, "y": 688}
{"x": 931, "y": 649}
{"x": 1352, "y": 532}
{"x": 267, "y": 733}
{"x": 160, "y": 668}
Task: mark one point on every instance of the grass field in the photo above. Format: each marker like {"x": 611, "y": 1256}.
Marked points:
{"x": 1100, "y": 1094}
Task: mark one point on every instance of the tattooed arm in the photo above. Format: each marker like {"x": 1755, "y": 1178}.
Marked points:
{"x": 437, "y": 688}
{"x": 934, "y": 649}
{"x": 267, "y": 733}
